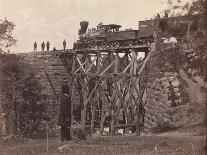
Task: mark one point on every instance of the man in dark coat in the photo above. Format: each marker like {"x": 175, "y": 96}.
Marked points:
{"x": 64, "y": 44}
{"x": 43, "y": 46}
{"x": 35, "y": 46}
{"x": 48, "y": 45}
{"x": 64, "y": 118}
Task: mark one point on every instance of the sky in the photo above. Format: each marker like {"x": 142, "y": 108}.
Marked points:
{"x": 56, "y": 20}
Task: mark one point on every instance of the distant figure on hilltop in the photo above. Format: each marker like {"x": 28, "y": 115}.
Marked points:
{"x": 54, "y": 49}
{"x": 158, "y": 15}
{"x": 166, "y": 14}
{"x": 35, "y": 46}
{"x": 48, "y": 45}
{"x": 64, "y": 44}
{"x": 43, "y": 46}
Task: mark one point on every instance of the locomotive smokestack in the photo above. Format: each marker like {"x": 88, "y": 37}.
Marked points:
{"x": 84, "y": 26}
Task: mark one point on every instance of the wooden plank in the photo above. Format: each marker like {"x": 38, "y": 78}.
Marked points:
{"x": 125, "y": 125}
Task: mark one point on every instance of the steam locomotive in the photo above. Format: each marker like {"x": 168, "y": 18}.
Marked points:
{"x": 110, "y": 36}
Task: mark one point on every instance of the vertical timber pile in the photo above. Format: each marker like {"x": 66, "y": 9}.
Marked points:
{"x": 110, "y": 80}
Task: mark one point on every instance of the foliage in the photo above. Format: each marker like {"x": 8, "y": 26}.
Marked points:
{"x": 24, "y": 103}
{"x": 169, "y": 59}
{"x": 163, "y": 126}
{"x": 198, "y": 7}
{"x": 195, "y": 39}
{"x": 6, "y": 38}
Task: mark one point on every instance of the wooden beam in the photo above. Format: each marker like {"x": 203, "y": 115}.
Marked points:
{"x": 135, "y": 63}
{"x": 91, "y": 65}
{"x": 107, "y": 68}
{"x": 81, "y": 65}
{"x": 116, "y": 63}
{"x": 148, "y": 56}
{"x": 129, "y": 65}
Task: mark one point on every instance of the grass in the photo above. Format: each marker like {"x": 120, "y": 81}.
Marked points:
{"x": 116, "y": 145}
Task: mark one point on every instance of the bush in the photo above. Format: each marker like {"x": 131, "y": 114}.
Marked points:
{"x": 79, "y": 132}
{"x": 163, "y": 126}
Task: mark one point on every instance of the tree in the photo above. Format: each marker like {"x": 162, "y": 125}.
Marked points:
{"x": 198, "y": 7}
{"x": 6, "y": 38}
{"x": 24, "y": 105}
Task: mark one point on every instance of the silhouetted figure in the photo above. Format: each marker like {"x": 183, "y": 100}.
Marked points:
{"x": 48, "y": 45}
{"x": 54, "y": 49}
{"x": 166, "y": 14}
{"x": 158, "y": 15}
{"x": 64, "y": 117}
{"x": 43, "y": 46}
{"x": 64, "y": 44}
{"x": 35, "y": 46}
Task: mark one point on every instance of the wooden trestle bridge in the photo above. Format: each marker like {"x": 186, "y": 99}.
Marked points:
{"x": 110, "y": 81}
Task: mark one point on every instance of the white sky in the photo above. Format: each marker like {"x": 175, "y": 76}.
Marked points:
{"x": 55, "y": 20}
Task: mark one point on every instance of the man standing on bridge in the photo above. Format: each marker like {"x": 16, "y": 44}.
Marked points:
{"x": 64, "y": 44}
{"x": 64, "y": 117}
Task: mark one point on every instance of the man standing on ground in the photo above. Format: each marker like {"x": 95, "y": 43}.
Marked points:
{"x": 64, "y": 118}
{"x": 48, "y": 45}
{"x": 35, "y": 46}
{"x": 64, "y": 44}
{"x": 43, "y": 46}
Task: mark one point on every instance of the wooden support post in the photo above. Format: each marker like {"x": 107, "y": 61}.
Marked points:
{"x": 74, "y": 78}
{"x": 98, "y": 63}
{"x": 116, "y": 63}
{"x": 135, "y": 63}
{"x": 93, "y": 115}
{"x": 112, "y": 122}
{"x": 102, "y": 118}
{"x": 104, "y": 103}
{"x": 83, "y": 110}
{"x": 132, "y": 60}
{"x": 73, "y": 63}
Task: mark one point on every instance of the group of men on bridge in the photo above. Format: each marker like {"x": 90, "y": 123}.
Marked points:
{"x": 47, "y": 45}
